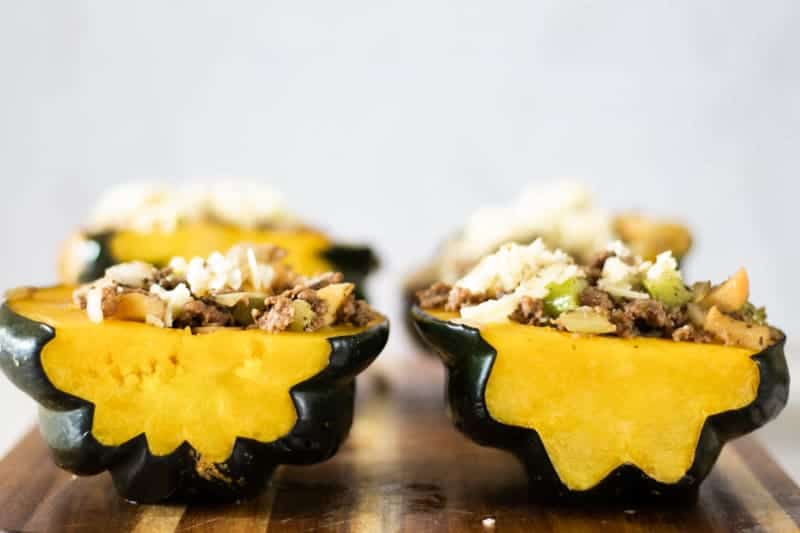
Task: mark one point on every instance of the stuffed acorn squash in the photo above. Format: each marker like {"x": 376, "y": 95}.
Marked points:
{"x": 194, "y": 381}
{"x": 564, "y": 215}
{"x": 141, "y": 222}
{"x": 617, "y": 381}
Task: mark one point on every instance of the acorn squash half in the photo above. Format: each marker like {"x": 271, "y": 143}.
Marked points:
{"x": 175, "y": 415}
{"x": 86, "y": 256}
{"x": 604, "y": 418}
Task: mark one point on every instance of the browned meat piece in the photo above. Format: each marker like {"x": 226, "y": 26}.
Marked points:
{"x": 167, "y": 279}
{"x": 594, "y": 297}
{"x": 626, "y": 326}
{"x": 198, "y": 313}
{"x": 530, "y": 311}
{"x": 355, "y": 312}
{"x": 434, "y": 297}
{"x": 639, "y": 316}
{"x": 278, "y": 314}
{"x": 690, "y": 333}
{"x": 648, "y": 313}
{"x": 109, "y": 300}
{"x": 460, "y": 297}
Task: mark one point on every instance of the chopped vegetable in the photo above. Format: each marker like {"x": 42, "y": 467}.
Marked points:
{"x": 230, "y": 299}
{"x": 697, "y": 314}
{"x": 563, "y": 297}
{"x": 648, "y": 237}
{"x": 731, "y": 295}
{"x": 700, "y": 290}
{"x": 737, "y": 332}
{"x": 138, "y": 306}
{"x": 334, "y": 295}
{"x": 303, "y": 315}
{"x": 585, "y": 320}
{"x": 668, "y": 289}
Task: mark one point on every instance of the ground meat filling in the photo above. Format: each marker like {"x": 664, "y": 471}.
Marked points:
{"x": 631, "y": 313}
{"x": 691, "y": 333}
{"x": 278, "y": 314}
{"x": 596, "y": 298}
{"x": 355, "y": 312}
{"x": 451, "y": 298}
{"x": 437, "y": 295}
{"x": 198, "y": 313}
{"x": 279, "y": 300}
{"x": 530, "y": 311}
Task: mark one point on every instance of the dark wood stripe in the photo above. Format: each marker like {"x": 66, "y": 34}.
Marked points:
{"x": 771, "y": 476}
{"x": 723, "y": 509}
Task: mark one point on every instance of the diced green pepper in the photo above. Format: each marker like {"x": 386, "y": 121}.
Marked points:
{"x": 668, "y": 289}
{"x": 563, "y": 297}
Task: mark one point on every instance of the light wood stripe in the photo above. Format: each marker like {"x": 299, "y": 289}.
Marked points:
{"x": 159, "y": 518}
{"x": 756, "y": 499}
{"x": 245, "y": 517}
{"x": 376, "y": 430}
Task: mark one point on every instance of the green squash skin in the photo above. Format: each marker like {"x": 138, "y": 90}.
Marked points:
{"x": 355, "y": 262}
{"x": 324, "y": 405}
{"x": 469, "y": 359}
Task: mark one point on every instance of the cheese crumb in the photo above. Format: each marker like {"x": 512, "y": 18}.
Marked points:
{"x": 175, "y": 299}
{"x": 665, "y": 265}
{"x": 238, "y": 269}
{"x": 621, "y": 278}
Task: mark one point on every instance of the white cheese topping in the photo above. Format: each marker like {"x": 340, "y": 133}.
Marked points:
{"x": 619, "y": 278}
{"x": 665, "y": 266}
{"x": 562, "y": 214}
{"x": 133, "y": 274}
{"x": 236, "y": 270}
{"x": 511, "y": 265}
{"x": 94, "y": 301}
{"x": 147, "y": 207}
{"x": 175, "y": 299}
{"x": 619, "y": 249}
{"x": 516, "y": 270}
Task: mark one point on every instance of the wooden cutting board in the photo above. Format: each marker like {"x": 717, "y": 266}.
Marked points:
{"x": 404, "y": 468}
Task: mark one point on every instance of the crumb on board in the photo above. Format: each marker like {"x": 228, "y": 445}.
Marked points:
{"x": 489, "y": 522}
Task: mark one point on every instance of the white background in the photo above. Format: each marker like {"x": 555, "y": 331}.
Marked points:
{"x": 388, "y": 121}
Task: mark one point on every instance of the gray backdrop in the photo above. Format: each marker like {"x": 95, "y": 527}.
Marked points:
{"x": 388, "y": 121}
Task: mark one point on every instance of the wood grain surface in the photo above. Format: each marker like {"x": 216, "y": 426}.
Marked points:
{"x": 404, "y": 468}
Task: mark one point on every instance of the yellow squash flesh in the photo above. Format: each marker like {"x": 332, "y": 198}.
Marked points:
{"x": 172, "y": 385}
{"x": 601, "y": 402}
{"x": 303, "y": 246}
